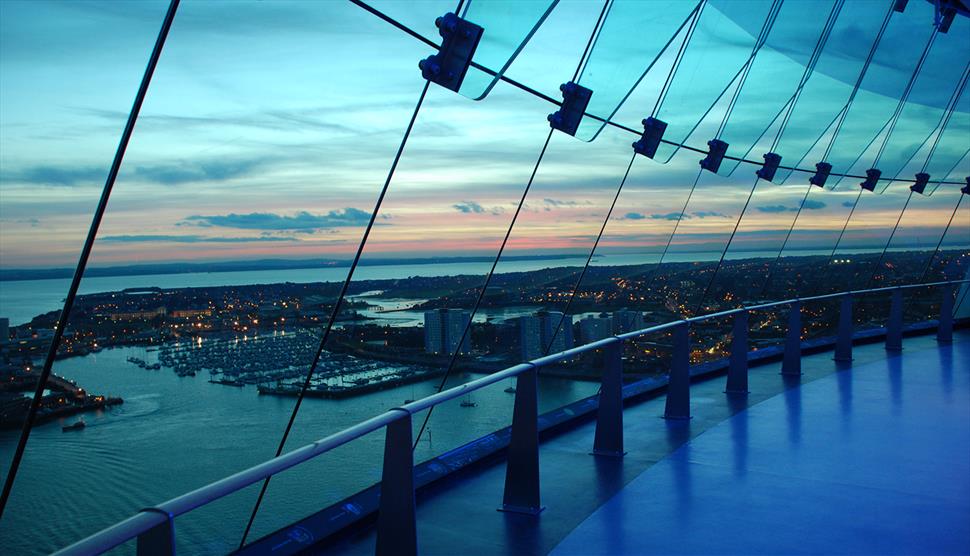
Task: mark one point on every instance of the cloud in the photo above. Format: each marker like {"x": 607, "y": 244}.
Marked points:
{"x": 849, "y": 204}
{"x": 776, "y": 208}
{"x": 709, "y": 214}
{"x": 190, "y": 239}
{"x": 301, "y": 221}
{"x": 59, "y": 176}
{"x": 633, "y": 216}
{"x": 471, "y": 207}
{"x": 807, "y": 205}
{"x": 198, "y": 171}
{"x": 669, "y": 216}
{"x": 559, "y": 203}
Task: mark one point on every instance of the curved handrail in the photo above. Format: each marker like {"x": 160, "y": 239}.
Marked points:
{"x": 158, "y": 515}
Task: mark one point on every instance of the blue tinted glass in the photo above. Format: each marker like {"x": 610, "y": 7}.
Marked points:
{"x": 617, "y": 64}
{"x": 721, "y": 44}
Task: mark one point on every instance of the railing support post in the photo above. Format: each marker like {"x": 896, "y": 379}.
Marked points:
{"x": 944, "y": 333}
{"x": 159, "y": 540}
{"x": 737, "y": 379}
{"x": 609, "y": 416}
{"x": 792, "y": 363}
{"x": 396, "y": 523}
{"x": 522, "y": 469}
{"x": 678, "y": 385}
{"x": 843, "y": 340}
{"x": 894, "y": 328}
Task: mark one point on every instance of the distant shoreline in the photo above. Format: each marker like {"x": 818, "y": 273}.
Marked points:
{"x": 22, "y": 274}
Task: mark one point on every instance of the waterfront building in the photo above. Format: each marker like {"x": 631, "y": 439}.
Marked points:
{"x": 626, "y": 320}
{"x": 595, "y": 328}
{"x": 530, "y": 337}
{"x": 443, "y": 330}
{"x": 542, "y": 333}
{"x": 4, "y": 330}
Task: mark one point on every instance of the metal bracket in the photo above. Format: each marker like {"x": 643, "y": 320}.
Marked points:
{"x": 575, "y": 99}
{"x": 872, "y": 178}
{"x": 792, "y": 362}
{"x": 678, "y": 386}
{"x": 608, "y": 440}
{"x": 822, "y": 171}
{"x": 715, "y": 155}
{"x": 772, "y": 161}
{"x": 894, "y": 328}
{"x": 843, "y": 339}
{"x": 737, "y": 379}
{"x": 944, "y": 333}
{"x": 522, "y": 470}
{"x": 653, "y": 133}
{"x": 922, "y": 179}
{"x": 966, "y": 188}
{"x": 396, "y": 519}
{"x": 459, "y": 40}
{"x": 160, "y": 539}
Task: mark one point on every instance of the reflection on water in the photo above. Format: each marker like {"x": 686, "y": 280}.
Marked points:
{"x": 174, "y": 434}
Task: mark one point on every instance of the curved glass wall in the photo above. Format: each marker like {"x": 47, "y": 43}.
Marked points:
{"x": 279, "y": 141}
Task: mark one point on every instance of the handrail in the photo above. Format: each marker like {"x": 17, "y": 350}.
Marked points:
{"x": 150, "y": 518}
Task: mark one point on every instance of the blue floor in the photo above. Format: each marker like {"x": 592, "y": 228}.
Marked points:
{"x": 872, "y": 460}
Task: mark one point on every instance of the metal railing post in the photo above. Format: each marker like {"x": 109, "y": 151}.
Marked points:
{"x": 792, "y": 363}
{"x": 843, "y": 340}
{"x": 609, "y": 416}
{"x": 396, "y": 522}
{"x": 737, "y": 379}
{"x": 944, "y": 333}
{"x": 894, "y": 328}
{"x": 159, "y": 540}
{"x": 522, "y": 469}
{"x": 678, "y": 385}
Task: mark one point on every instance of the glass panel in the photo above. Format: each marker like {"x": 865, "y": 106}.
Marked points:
{"x": 830, "y": 85}
{"x": 869, "y": 115}
{"x": 920, "y": 230}
{"x": 802, "y": 265}
{"x": 417, "y": 15}
{"x": 938, "y": 81}
{"x": 616, "y": 64}
{"x": 751, "y": 257}
{"x": 854, "y": 261}
{"x": 250, "y": 146}
{"x": 721, "y": 44}
{"x": 774, "y": 76}
{"x": 508, "y": 27}
{"x": 950, "y": 157}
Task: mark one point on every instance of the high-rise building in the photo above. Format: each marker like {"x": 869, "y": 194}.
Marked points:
{"x": 592, "y": 329}
{"x": 626, "y": 320}
{"x": 538, "y": 334}
{"x": 553, "y": 340}
{"x": 443, "y": 330}
{"x": 432, "y": 331}
{"x": 530, "y": 337}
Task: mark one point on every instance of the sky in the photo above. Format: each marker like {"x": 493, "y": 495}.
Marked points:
{"x": 270, "y": 127}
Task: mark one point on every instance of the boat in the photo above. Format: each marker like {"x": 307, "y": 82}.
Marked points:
{"x": 468, "y": 403}
{"x": 76, "y": 426}
{"x": 408, "y": 401}
{"x": 510, "y": 390}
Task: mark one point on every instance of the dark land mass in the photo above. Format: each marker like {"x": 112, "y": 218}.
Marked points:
{"x": 10, "y": 274}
